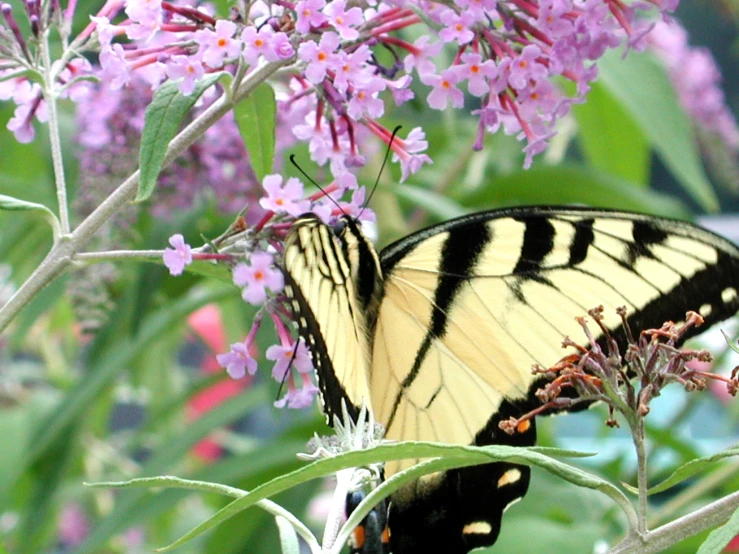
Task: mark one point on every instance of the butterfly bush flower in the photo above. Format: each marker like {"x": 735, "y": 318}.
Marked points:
{"x": 507, "y": 53}
{"x": 286, "y": 355}
{"x": 179, "y": 256}
{"x": 239, "y": 360}
{"x": 284, "y": 199}
{"x": 256, "y": 276}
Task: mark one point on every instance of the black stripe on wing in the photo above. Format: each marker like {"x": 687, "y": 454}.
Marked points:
{"x": 538, "y": 242}
{"x": 459, "y": 255}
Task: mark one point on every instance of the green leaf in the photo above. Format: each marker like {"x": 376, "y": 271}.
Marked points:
{"x": 610, "y": 139}
{"x": 162, "y": 120}
{"x": 641, "y": 85}
{"x": 731, "y": 343}
{"x": 691, "y": 468}
{"x": 256, "y": 117}
{"x": 288, "y": 536}
{"x": 442, "y": 457}
{"x": 12, "y": 204}
{"x": 720, "y": 537}
{"x": 572, "y": 185}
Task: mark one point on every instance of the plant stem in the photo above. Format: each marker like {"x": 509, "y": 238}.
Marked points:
{"x": 712, "y": 515}
{"x": 639, "y": 436}
{"x": 63, "y": 252}
{"x": 110, "y": 255}
{"x": 50, "y": 95}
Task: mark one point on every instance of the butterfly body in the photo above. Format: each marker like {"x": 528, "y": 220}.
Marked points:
{"x": 437, "y": 334}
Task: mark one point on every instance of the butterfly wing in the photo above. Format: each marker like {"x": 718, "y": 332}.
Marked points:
{"x": 320, "y": 281}
{"x": 470, "y": 305}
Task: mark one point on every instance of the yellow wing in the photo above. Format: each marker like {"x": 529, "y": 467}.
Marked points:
{"x": 470, "y": 306}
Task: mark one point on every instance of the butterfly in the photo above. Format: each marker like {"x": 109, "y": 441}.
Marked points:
{"x": 438, "y": 332}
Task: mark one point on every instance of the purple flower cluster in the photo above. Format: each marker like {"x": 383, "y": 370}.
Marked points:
{"x": 507, "y": 54}
{"x": 697, "y": 80}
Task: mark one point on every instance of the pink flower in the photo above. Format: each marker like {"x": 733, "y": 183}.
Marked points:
{"x": 145, "y": 31}
{"x": 219, "y": 44}
{"x": 526, "y": 67}
{"x": 320, "y": 57}
{"x": 21, "y": 124}
{"x": 259, "y": 43}
{"x": 365, "y": 99}
{"x": 284, "y": 355}
{"x": 400, "y": 89}
{"x": 74, "y": 525}
{"x": 357, "y": 207}
{"x": 420, "y": 56}
{"x": 457, "y": 26}
{"x": 343, "y": 20}
{"x": 445, "y": 89}
{"x": 309, "y": 15}
{"x": 115, "y": 67}
{"x": 256, "y": 276}
{"x": 319, "y": 139}
{"x": 478, "y": 73}
{"x": 353, "y": 68}
{"x": 143, "y": 10}
{"x": 189, "y": 68}
{"x": 281, "y": 46}
{"x": 287, "y": 199}
{"x": 238, "y": 362}
{"x": 105, "y": 30}
{"x": 176, "y": 258}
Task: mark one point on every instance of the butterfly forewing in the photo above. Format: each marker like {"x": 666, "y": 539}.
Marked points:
{"x": 320, "y": 286}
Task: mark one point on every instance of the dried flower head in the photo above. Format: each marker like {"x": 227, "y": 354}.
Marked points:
{"x": 625, "y": 380}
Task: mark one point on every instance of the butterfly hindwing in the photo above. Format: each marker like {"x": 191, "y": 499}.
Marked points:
{"x": 439, "y": 333}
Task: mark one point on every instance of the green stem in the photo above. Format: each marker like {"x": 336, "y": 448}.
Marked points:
{"x": 714, "y": 514}
{"x": 639, "y": 436}
{"x": 50, "y": 95}
{"x": 116, "y": 255}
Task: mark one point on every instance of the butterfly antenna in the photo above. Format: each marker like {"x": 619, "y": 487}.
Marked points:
{"x": 382, "y": 168}
{"x": 319, "y": 187}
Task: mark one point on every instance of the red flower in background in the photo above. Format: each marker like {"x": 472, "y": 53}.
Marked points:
{"x": 208, "y": 326}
